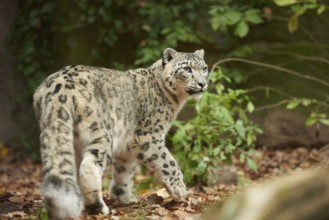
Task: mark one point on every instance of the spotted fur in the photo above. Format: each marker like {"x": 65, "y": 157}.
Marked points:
{"x": 90, "y": 117}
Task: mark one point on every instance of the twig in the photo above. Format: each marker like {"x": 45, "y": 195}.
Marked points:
{"x": 271, "y": 66}
{"x": 305, "y": 31}
{"x": 282, "y": 102}
{"x": 271, "y": 89}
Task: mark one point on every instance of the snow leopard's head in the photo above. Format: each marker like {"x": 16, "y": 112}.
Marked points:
{"x": 184, "y": 73}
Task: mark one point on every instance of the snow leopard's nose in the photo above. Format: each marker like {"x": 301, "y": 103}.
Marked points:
{"x": 202, "y": 84}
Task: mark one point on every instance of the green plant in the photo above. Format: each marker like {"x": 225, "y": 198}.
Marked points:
{"x": 316, "y": 108}
{"x": 44, "y": 32}
{"x": 220, "y": 128}
{"x": 230, "y": 14}
{"x": 299, "y": 8}
{"x": 41, "y": 214}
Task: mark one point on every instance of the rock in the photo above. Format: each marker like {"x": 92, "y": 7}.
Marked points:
{"x": 284, "y": 128}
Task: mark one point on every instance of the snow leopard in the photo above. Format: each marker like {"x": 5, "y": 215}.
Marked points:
{"x": 90, "y": 117}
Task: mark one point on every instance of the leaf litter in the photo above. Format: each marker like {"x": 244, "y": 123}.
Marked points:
{"x": 20, "y": 182}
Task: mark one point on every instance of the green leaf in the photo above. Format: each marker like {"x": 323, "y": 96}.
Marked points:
{"x": 321, "y": 9}
{"x": 192, "y": 164}
{"x": 325, "y": 121}
{"x": 242, "y": 157}
{"x": 197, "y": 148}
{"x": 202, "y": 166}
{"x": 306, "y": 102}
{"x": 216, "y": 151}
{"x": 252, "y": 164}
{"x": 229, "y": 148}
{"x": 242, "y": 29}
{"x": 188, "y": 177}
{"x": 293, "y": 104}
{"x": 252, "y": 11}
{"x": 216, "y": 23}
{"x": 240, "y": 128}
{"x": 285, "y": 2}
{"x": 242, "y": 51}
{"x": 250, "y": 107}
{"x": 222, "y": 156}
{"x": 293, "y": 23}
{"x": 250, "y": 138}
{"x": 232, "y": 17}
{"x": 254, "y": 19}
{"x": 253, "y": 16}
{"x": 311, "y": 121}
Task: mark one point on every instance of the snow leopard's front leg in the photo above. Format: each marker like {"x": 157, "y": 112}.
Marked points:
{"x": 155, "y": 154}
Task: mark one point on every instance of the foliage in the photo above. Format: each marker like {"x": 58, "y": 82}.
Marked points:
{"x": 41, "y": 23}
{"x": 299, "y": 8}
{"x": 41, "y": 214}
{"x": 317, "y": 106}
{"x": 220, "y": 128}
{"x": 49, "y": 34}
{"x": 46, "y": 35}
{"x": 228, "y": 13}
{"x": 317, "y": 115}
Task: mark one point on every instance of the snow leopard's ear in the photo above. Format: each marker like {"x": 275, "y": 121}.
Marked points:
{"x": 199, "y": 53}
{"x": 168, "y": 55}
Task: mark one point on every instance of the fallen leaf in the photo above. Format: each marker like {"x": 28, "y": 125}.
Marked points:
{"x": 181, "y": 215}
{"x": 16, "y": 199}
{"x": 209, "y": 190}
{"x": 6, "y": 196}
{"x": 163, "y": 193}
{"x": 17, "y": 214}
{"x": 154, "y": 199}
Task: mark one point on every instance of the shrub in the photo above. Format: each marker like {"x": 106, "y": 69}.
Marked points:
{"x": 220, "y": 128}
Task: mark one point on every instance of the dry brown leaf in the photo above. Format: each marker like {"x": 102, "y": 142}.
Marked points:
{"x": 154, "y": 199}
{"x": 161, "y": 211}
{"x": 209, "y": 190}
{"x": 181, "y": 215}
{"x": 16, "y": 199}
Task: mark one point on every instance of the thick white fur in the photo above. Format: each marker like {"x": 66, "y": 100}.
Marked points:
{"x": 65, "y": 203}
{"x": 90, "y": 179}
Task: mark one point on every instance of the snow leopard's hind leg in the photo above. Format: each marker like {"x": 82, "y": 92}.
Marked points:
{"x": 95, "y": 156}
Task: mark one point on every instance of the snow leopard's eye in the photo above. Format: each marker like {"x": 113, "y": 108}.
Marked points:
{"x": 205, "y": 69}
{"x": 188, "y": 69}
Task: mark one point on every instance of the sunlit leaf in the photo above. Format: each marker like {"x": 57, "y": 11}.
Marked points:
{"x": 253, "y": 16}
{"x": 252, "y": 164}
{"x": 293, "y": 23}
{"x": 285, "y": 2}
{"x": 202, "y": 166}
{"x": 240, "y": 128}
{"x": 250, "y": 107}
{"x": 222, "y": 156}
{"x": 293, "y": 104}
{"x": 242, "y": 157}
{"x": 232, "y": 17}
{"x": 311, "y": 121}
{"x": 216, "y": 151}
{"x": 242, "y": 29}
{"x": 321, "y": 9}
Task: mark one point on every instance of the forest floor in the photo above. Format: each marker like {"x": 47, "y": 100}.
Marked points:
{"x": 20, "y": 181}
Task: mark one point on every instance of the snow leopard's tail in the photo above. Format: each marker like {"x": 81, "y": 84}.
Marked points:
{"x": 60, "y": 189}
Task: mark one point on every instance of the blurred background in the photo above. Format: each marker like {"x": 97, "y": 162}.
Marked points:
{"x": 274, "y": 52}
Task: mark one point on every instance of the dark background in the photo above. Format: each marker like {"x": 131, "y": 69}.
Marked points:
{"x": 39, "y": 37}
